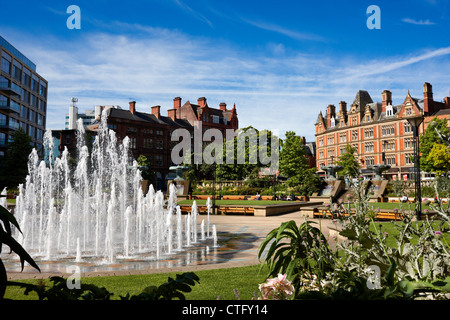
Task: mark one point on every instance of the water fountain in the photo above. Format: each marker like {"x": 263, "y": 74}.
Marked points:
{"x": 95, "y": 210}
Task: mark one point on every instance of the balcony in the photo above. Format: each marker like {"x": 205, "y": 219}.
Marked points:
{"x": 10, "y": 106}
{"x": 10, "y": 88}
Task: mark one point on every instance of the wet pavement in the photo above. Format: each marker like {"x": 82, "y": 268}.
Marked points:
{"x": 239, "y": 238}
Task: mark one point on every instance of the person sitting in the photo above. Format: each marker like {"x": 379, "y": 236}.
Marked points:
{"x": 258, "y": 196}
{"x": 405, "y": 199}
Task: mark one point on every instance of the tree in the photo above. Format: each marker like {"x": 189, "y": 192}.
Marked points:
{"x": 432, "y": 136}
{"x": 294, "y": 165}
{"x": 15, "y": 163}
{"x": 349, "y": 162}
{"x": 439, "y": 158}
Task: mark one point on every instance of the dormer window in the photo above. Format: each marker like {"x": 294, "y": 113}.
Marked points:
{"x": 333, "y": 121}
{"x": 389, "y": 111}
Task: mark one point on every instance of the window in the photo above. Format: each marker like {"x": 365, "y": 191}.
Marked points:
{"x": 34, "y": 83}
{"x": 159, "y": 160}
{"x": 43, "y": 89}
{"x": 330, "y": 152}
{"x": 26, "y": 79}
{"x": 331, "y": 140}
{"x": 205, "y": 117}
{"x": 388, "y": 145}
{"x": 159, "y": 132}
{"x": 148, "y": 143}
{"x": 3, "y": 120}
{"x": 390, "y": 160}
{"x": 160, "y": 144}
{"x": 17, "y": 71}
{"x": 368, "y": 133}
{"x": 389, "y": 111}
{"x": 133, "y": 143}
{"x": 368, "y": 147}
{"x": 407, "y": 127}
{"x": 40, "y": 121}
{"x": 409, "y": 158}
{"x": 6, "y": 63}
{"x": 409, "y": 143}
{"x": 354, "y": 134}
{"x": 343, "y": 137}
{"x": 369, "y": 161}
{"x": 388, "y": 130}
{"x": 3, "y": 101}
{"x": 321, "y": 142}
{"x": 131, "y": 129}
{"x": 215, "y": 119}
{"x": 2, "y": 139}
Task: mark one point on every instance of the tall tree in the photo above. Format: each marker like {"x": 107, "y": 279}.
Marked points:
{"x": 15, "y": 163}
{"x": 431, "y": 136}
{"x": 349, "y": 162}
{"x": 294, "y": 165}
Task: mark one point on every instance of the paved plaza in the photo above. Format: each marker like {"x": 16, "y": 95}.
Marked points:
{"x": 239, "y": 238}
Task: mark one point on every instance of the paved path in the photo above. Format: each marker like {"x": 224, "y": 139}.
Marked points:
{"x": 244, "y": 234}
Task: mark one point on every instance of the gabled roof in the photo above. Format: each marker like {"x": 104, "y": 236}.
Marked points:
{"x": 362, "y": 98}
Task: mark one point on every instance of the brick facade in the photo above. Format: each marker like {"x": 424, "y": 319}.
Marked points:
{"x": 150, "y": 132}
{"x": 374, "y": 127}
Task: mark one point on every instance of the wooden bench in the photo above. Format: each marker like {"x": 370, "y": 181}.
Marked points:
{"x": 230, "y": 197}
{"x": 201, "y": 197}
{"x": 388, "y": 216}
{"x": 235, "y": 210}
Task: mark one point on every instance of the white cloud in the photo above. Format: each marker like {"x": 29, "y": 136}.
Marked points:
{"x": 297, "y": 35}
{"x": 284, "y": 92}
{"x": 419, "y": 22}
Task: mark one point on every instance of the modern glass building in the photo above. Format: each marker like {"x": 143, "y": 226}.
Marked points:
{"x": 23, "y": 97}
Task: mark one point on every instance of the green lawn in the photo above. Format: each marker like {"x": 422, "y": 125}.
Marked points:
{"x": 213, "y": 284}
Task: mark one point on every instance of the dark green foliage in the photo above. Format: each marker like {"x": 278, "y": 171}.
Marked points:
{"x": 173, "y": 289}
{"x": 295, "y": 250}
{"x": 14, "y": 167}
{"x": 60, "y": 291}
{"x": 6, "y": 238}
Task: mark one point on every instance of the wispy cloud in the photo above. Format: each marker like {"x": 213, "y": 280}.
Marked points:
{"x": 152, "y": 68}
{"x": 192, "y": 12}
{"x": 418, "y": 22}
{"x": 297, "y": 35}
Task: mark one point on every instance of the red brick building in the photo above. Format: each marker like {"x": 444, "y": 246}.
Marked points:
{"x": 374, "y": 128}
{"x": 150, "y": 132}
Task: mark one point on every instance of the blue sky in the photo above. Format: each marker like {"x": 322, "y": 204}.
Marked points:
{"x": 280, "y": 62}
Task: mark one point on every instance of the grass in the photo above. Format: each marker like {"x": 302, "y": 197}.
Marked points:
{"x": 235, "y": 202}
{"x": 213, "y": 284}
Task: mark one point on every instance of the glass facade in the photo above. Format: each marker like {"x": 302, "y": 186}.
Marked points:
{"x": 23, "y": 97}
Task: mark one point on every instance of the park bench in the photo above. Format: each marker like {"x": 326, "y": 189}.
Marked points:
{"x": 231, "y": 197}
{"x": 235, "y": 210}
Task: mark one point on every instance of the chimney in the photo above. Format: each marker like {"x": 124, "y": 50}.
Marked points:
{"x": 223, "y": 106}
{"x": 172, "y": 114}
{"x": 201, "y": 102}
{"x": 156, "y": 111}
{"x": 177, "y": 103}
{"x": 331, "y": 112}
{"x": 133, "y": 107}
{"x": 387, "y": 100}
{"x": 343, "y": 107}
{"x": 447, "y": 102}
{"x": 428, "y": 103}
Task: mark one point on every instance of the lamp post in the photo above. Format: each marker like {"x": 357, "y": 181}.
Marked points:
{"x": 415, "y": 122}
